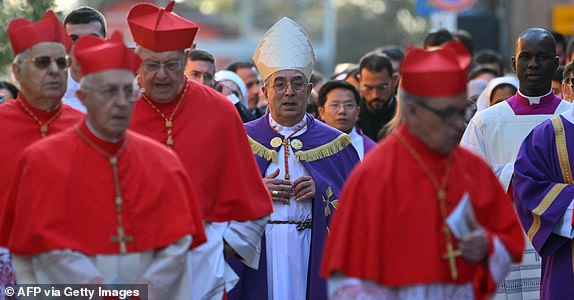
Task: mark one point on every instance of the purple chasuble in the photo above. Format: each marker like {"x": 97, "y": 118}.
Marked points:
{"x": 521, "y": 105}
{"x": 327, "y": 172}
{"x": 542, "y": 196}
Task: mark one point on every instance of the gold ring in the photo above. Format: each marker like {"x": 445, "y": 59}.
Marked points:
{"x": 275, "y": 193}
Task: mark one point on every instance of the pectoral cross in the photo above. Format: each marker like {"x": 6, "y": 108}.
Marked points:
{"x": 451, "y": 255}
{"x": 44, "y": 130}
{"x": 441, "y": 195}
{"x": 169, "y": 126}
{"x": 122, "y": 238}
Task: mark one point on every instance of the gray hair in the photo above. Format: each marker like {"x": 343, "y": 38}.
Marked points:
{"x": 87, "y": 81}
{"x": 19, "y": 58}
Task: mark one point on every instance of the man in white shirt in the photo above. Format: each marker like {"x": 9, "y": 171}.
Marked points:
{"x": 81, "y": 21}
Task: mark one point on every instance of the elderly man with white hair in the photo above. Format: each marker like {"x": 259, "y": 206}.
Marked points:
{"x": 40, "y": 67}
{"x": 95, "y": 216}
{"x": 205, "y": 131}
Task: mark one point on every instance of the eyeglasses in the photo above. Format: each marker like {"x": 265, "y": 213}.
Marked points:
{"x": 298, "y": 85}
{"x": 379, "y": 88}
{"x": 172, "y": 65}
{"x": 345, "y": 106}
{"x": 130, "y": 93}
{"x": 449, "y": 114}
{"x": 43, "y": 62}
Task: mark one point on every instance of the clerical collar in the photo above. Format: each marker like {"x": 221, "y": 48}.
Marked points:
{"x": 96, "y": 134}
{"x": 353, "y": 132}
{"x": 534, "y": 99}
{"x": 286, "y": 130}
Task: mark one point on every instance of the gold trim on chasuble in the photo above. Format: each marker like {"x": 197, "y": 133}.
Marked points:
{"x": 542, "y": 207}
{"x": 557, "y": 188}
{"x": 262, "y": 151}
{"x": 331, "y": 148}
{"x": 563, "y": 160}
{"x": 561, "y": 149}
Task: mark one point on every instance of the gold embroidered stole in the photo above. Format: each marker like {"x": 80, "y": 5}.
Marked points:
{"x": 564, "y": 161}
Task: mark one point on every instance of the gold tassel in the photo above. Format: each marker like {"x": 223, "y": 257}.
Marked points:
{"x": 262, "y": 151}
{"x": 329, "y": 149}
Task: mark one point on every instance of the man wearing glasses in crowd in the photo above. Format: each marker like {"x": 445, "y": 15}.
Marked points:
{"x": 40, "y": 67}
{"x": 204, "y": 129}
{"x": 339, "y": 107}
{"x": 377, "y": 82}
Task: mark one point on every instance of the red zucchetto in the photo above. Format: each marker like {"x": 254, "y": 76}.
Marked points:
{"x": 160, "y": 29}
{"x": 94, "y": 54}
{"x": 24, "y": 34}
{"x": 436, "y": 73}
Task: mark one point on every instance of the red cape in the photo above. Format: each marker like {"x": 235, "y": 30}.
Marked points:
{"x": 212, "y": 144}
{"x": 19, "y": 130}
{"x": 388, "y": 225}
{"x": 63, "y": 197}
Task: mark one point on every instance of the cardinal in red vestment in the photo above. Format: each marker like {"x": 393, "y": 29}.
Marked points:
{"x": 422, "y": 217}
{"x": 204, "y": 129}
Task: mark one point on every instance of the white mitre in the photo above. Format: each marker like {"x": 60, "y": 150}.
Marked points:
{"x": 285, "y": 46}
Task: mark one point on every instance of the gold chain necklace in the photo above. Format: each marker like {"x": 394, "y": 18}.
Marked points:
{"x": 43, "y": 126}
{"x": 168, "y": 121}
{"x": 451, "y": 253}
{"x": 121, "y": 238}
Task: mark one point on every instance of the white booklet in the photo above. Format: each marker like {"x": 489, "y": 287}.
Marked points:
{"x": 456, "y": 221}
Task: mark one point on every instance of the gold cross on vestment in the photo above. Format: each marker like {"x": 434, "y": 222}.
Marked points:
{"x": 451, "y": 255}
{"x": 122, "y": 238}
{"x": 44, "y": 130}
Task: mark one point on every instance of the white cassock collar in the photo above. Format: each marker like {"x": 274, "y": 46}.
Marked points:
{"x": 286, "y": 130}
{"x": 534, "y": 99}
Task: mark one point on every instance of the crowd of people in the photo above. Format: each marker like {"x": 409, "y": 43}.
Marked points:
{"x": 427, "y": 174}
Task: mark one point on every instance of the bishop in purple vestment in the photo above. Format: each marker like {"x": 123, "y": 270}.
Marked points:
{"x": 304, "y": 164}
{"x": 543, "y": 194}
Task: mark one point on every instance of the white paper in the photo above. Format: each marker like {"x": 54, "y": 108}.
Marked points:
{"x": 456, "y": 221}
